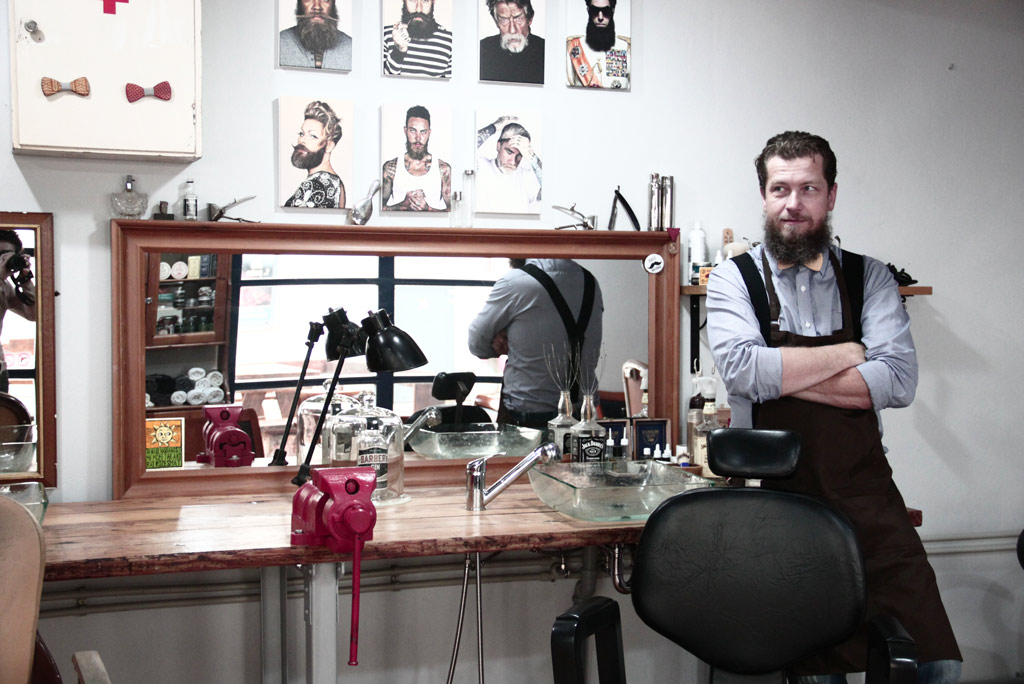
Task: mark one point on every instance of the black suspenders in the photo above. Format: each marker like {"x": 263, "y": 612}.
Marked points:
{"x": 575, "y": 328}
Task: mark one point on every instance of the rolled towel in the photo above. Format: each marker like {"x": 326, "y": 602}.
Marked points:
{"x": 196, "y": 373}
{"x": 182, "y": 383}
{"x": 179, "y": 398}
{"x": 216, "y": 378}
{"x": 196, "y": 397}
{"x": 203, "y": 383}
{"x": 160, "y": 399}
{"x": 214, "y": 395}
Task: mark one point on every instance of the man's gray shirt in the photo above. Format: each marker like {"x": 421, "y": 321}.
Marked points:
{"x": 293, "y": 54}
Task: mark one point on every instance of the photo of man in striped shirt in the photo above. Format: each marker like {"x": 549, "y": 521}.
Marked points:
{"x": 417, "y": 45}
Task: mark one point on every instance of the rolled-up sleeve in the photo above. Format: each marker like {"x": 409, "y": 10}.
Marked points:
{"x": 891, "y": 368}
{"x": 749, "y": 368}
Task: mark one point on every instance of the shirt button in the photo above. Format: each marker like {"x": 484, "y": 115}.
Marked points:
{"x": 803, "y": 288}
{"x": 807, "y": 324}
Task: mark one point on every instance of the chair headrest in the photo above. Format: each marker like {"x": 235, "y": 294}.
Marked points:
{"x": 750, "y": 453}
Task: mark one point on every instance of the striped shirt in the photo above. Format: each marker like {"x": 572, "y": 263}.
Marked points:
{"x": 430, "y": 57}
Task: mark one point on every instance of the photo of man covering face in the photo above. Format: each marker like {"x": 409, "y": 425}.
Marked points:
{"x": 315, "y": 152}
{"x": 600, "y": 56}
{"x": 315, "y": 37}
{"x": 509, "y": 169}
{"x": 510, "y": 48}
{"x": 415, "y": 177}
{"x": 416, "y": 41}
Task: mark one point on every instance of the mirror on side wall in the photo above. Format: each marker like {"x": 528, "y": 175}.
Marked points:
{"x": 28, "y": 423}
{"x": 260, "y": 285}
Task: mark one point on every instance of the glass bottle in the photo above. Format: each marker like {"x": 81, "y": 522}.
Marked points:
{"x": 588, "y": 435}
{"x": 468, "y": 197}
{"x": 708, "y": 423}
{"x": 309, "y": 415}
{"x": 455, "y": 210}
{"x": 190, "y": 203}
{"x": 560, "y": 427}
{"x": 643, "y": 396}
{"x": 379, "y": 442}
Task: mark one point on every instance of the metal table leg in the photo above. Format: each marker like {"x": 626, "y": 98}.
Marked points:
{"x": 320, "y": 591}
{"x": 273, "y": 625}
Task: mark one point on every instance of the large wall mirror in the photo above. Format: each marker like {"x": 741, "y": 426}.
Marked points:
{"x": 241, "y": 296}
{"x": 28, "y": 406}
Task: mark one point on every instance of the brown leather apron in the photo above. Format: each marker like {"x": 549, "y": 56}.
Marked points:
{"x": 842, "y": 462}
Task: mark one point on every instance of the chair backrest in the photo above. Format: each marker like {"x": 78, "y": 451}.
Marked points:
{"x": 21, "y": 585}
{"x": 631, "y": 376}
{"x": 747, "y": 579}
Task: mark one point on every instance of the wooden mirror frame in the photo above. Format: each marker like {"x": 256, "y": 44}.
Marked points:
{"x": 45, "y": 410}
{"x": 131, "y": 240}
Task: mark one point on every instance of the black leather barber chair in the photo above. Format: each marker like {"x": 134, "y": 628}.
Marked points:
{"x": 749, "y": 580}
{"x": 455, "y": 386}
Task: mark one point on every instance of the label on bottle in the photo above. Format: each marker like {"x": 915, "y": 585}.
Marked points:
{"x": 589, "y": 448}
{"x": 190, "y": 208}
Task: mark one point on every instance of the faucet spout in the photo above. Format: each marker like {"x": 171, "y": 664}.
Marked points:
{"x": 478, "y": 494}
{"x": 430, "y": 418}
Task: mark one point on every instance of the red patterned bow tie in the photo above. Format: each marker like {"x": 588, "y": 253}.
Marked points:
{"x": 51, "y": 86}
{"x": 134, "y": 93}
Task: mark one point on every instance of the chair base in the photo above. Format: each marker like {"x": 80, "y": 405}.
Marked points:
{"x": 597, "y": 617}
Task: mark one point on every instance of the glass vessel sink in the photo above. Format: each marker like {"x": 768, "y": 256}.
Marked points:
{"x": 31, "y": 495}
{"x": 610, "y": 490}
{"x": 474, "y": 440}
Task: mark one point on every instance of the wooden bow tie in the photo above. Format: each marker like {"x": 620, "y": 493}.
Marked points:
{"x": 134, "y": 93}
{"x": 51, "y": 86}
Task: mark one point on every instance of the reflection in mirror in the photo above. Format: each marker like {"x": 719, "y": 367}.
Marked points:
{"x": 227, "y": 317}
{"x": 27, "y": 399}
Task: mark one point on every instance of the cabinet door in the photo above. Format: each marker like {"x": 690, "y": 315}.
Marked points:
{"x": 111, "y": 43}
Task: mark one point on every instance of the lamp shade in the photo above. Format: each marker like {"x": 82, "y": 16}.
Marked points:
{"x": 344, "y": 338}
{"x": 389, "y": 348}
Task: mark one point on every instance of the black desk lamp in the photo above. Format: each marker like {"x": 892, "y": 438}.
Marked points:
{"x": 387, "y": 348}
{"x": 315, "y": 331}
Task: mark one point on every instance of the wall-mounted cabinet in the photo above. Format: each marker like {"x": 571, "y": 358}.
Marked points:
{"x": 74, "y": 68}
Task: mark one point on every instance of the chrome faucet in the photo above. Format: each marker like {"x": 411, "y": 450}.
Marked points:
{"x": 478, "y": 494}
{"x": 430, "y": 417}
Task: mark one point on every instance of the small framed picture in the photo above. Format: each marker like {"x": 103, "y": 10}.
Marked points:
{"x": 165, "y": 442}
{"x": 651, "y": 432}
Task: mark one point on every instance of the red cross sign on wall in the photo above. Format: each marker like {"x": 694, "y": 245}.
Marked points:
{"x": 110, "y": 6}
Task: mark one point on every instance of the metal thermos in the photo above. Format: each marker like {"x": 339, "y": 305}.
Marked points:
{"x": 654, "y": 203}
{"x": 668, "y": 202}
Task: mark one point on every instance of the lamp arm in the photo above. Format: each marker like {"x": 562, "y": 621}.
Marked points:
{"x": 303, "y": 475}
{"x": 315, "y": 331}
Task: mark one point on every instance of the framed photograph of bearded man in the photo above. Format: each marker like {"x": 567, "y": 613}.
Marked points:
{"x": 597, "y": 49}
{"x": 511, "y": 40}
{"x": 315, "y": 34}
{"x": 509, "y": 170}
{"x": 314, "y": 152}
{"x": 415, "y": 144}
{"x": 416, "y": 39}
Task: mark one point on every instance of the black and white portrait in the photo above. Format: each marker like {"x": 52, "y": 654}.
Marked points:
{"x": 315, "y": 34}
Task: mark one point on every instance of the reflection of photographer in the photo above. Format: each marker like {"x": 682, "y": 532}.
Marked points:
{"x": 17, "y": 290}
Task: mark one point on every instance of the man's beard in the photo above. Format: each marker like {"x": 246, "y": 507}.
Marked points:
{"x": 601, "y": 38}
{"x": 421, "y": 154}
{"x": 797, "y": 249}
{"x": 514, "y": 42}
{"x": 421, "y": 26}
{"x": 316, "y": 36}
{"x": 304, "y": 158}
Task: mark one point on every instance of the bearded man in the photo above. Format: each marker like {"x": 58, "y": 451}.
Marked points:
{"x": 515, "y": 54}
{"x": 317, "y": 138}
{"x": 419, "y": 182}
{"x": 511, "y": 181}
{"x": 812, "y": 338}
{"x": 315, "y": 41}
{"x": 417, "y": 45}
{"x": 600, "y": 58}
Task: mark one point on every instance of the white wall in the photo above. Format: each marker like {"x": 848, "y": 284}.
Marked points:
{"x": 922, "y": 101}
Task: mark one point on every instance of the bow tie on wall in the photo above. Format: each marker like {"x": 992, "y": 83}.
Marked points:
{"x": 51, "y": 86}
{"x": 134, "y": 93}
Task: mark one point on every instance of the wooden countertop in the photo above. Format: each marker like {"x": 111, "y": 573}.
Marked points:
{"x": 145, "y": 536}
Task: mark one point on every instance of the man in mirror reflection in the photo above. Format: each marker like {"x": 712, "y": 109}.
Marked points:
{"x": 315, "y": 42}
{"x": 515, "y": 54}
{"x": 417, "y": 45}
{"x": 417, "y": 183}
{"x": 815, "y": 339}
{"x": 600, "y": 57}
{"x": 17, "y": 289}
{"x": 511, "y": 181}
{"x": 317, "y": 138}
{"x": 541, "y": 308}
